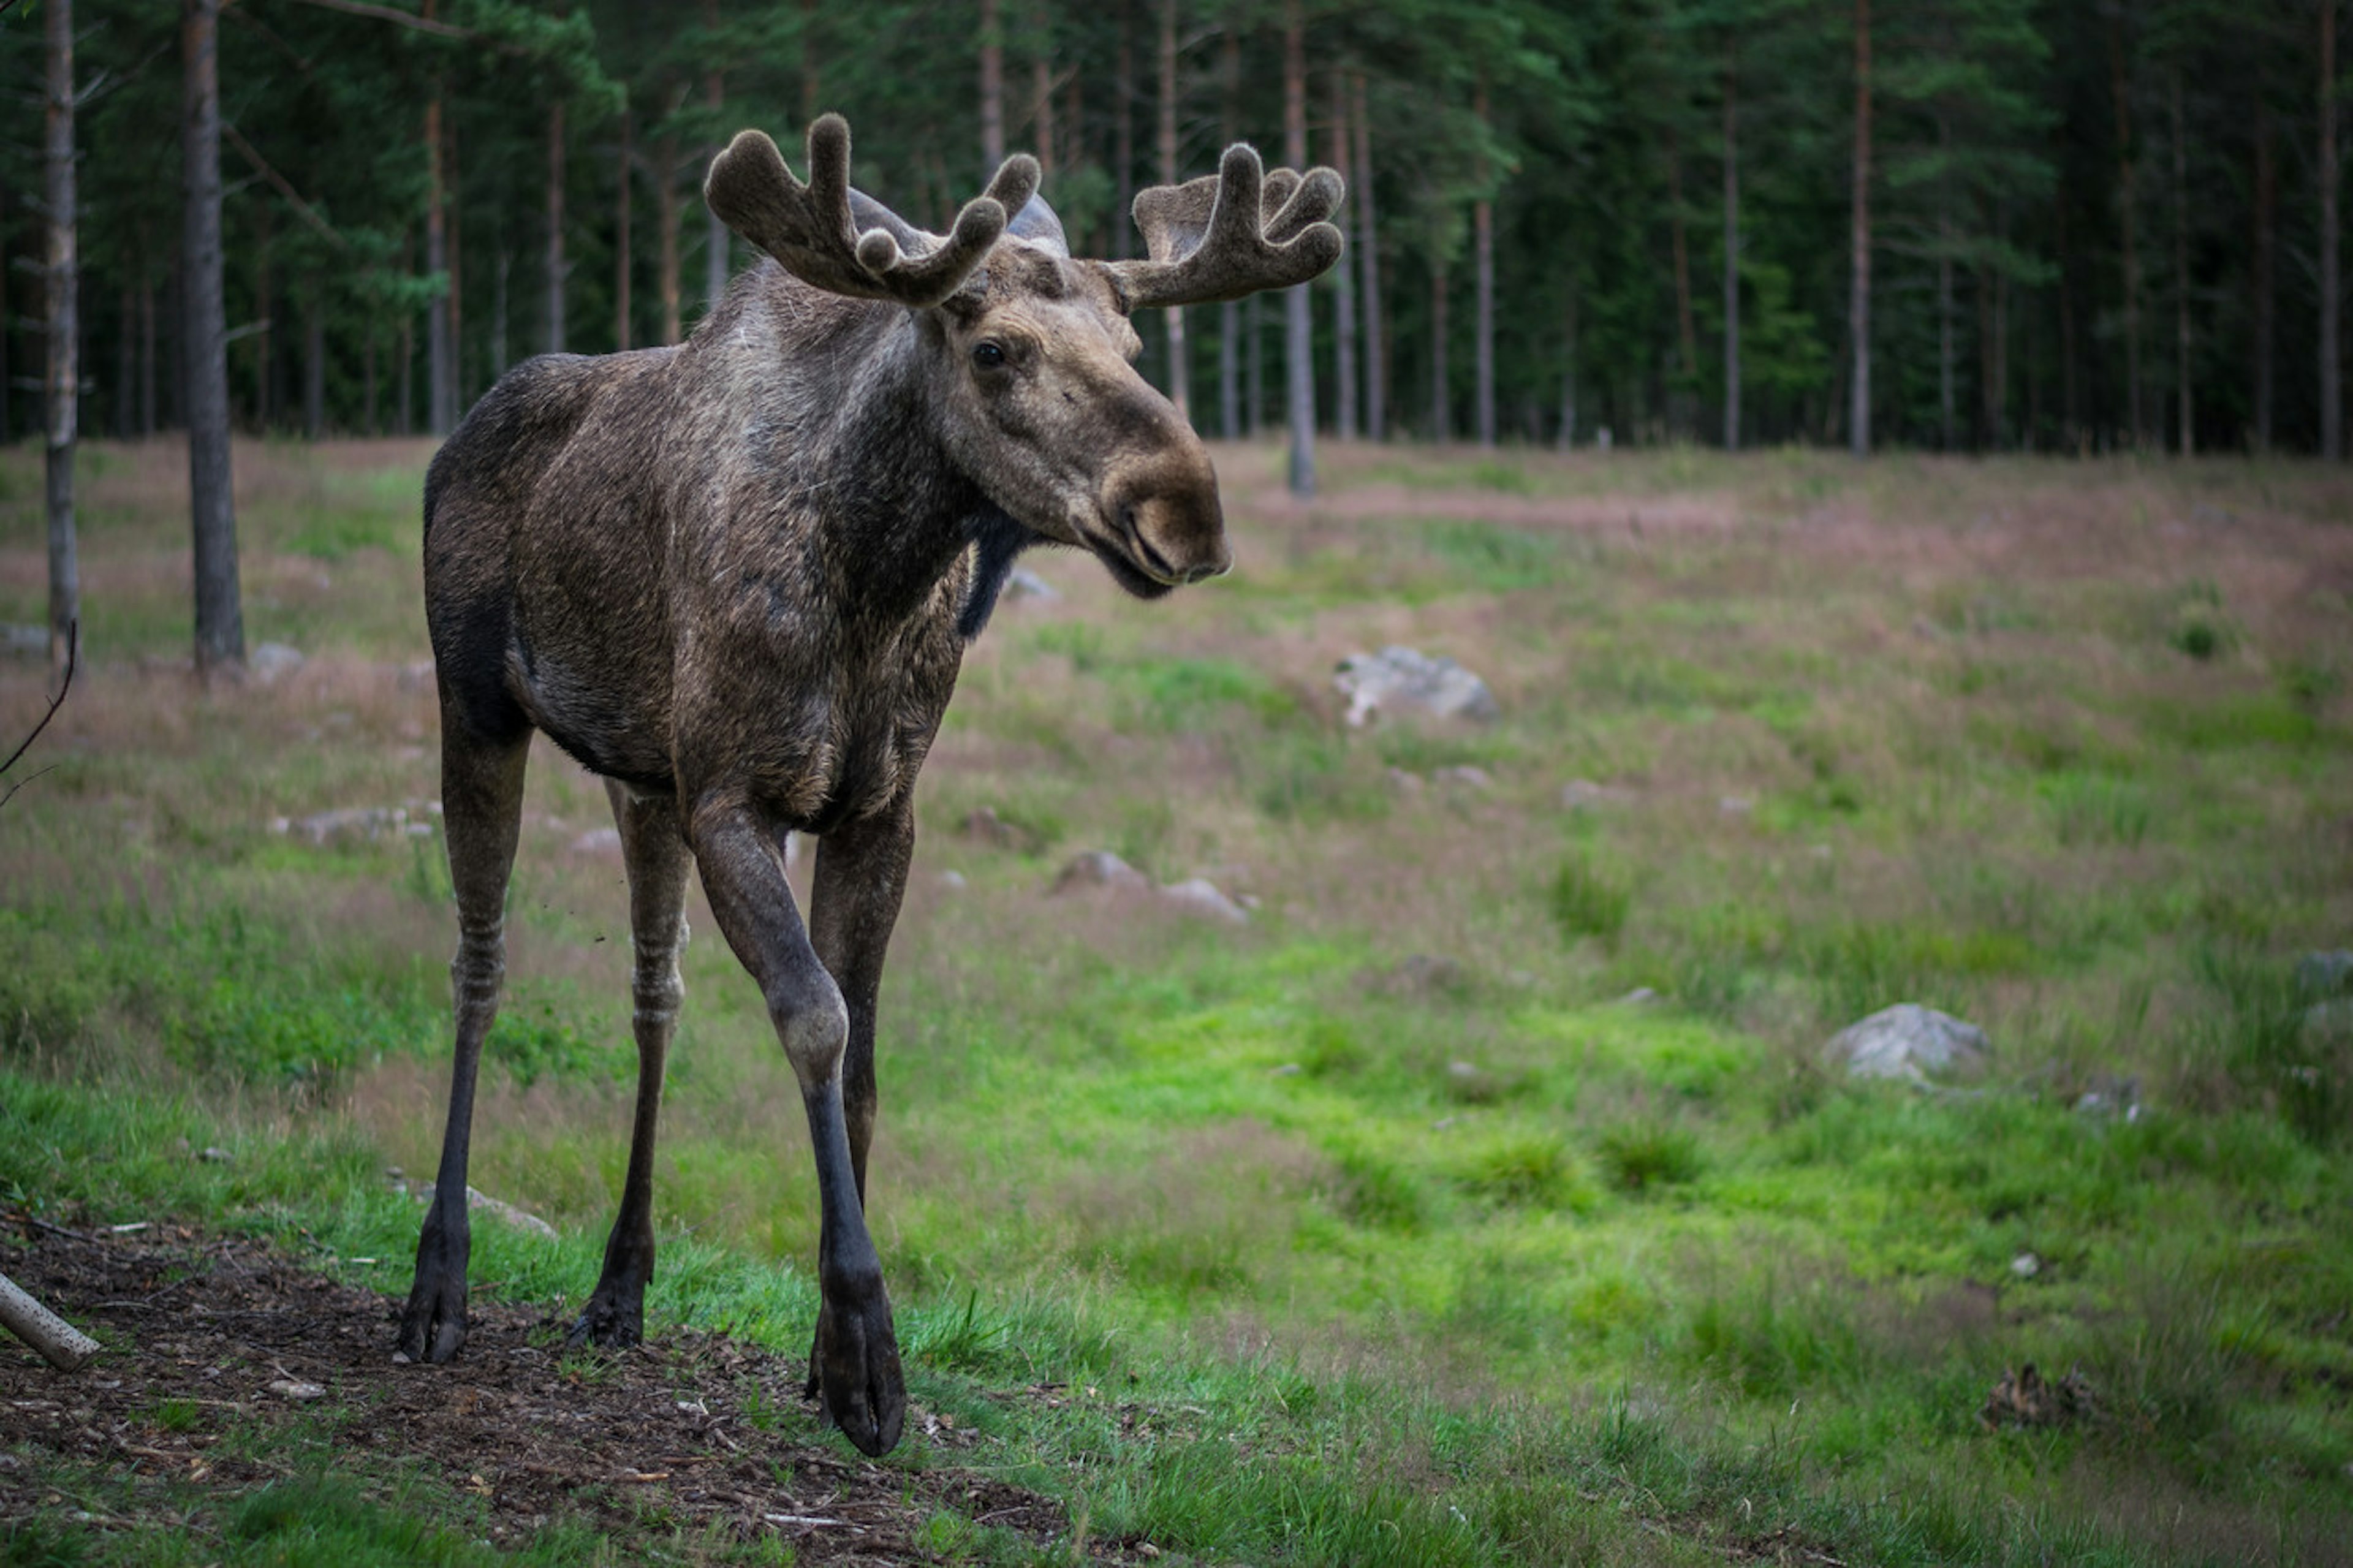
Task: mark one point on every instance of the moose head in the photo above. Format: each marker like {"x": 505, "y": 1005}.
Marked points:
{"x": 1031, "y": 352}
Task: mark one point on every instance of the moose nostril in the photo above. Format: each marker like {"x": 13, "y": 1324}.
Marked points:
{"x": 1205, "y": 570}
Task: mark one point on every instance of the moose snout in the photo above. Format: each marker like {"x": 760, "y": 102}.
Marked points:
{"x": 1172, "y": 523}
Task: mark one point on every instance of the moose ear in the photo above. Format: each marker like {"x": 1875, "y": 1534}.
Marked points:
{"x": 1035, "y": 222}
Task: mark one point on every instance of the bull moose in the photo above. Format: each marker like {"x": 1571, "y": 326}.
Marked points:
{"x": 736, "y": 578}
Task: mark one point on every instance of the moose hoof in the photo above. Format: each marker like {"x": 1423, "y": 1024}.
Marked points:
{"x": 433, "y": 1326}
{"x": 858, "y": 1372}
{"x": 609, "y": 1321}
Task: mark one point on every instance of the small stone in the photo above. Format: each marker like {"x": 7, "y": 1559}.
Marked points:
{"x": 295, "y": 1388}
{"x": 599, "y": 841}
{"x": 1023, "y": 584}
{"x": 497, "y": 1208}
{"x": 272, "y": 660}
{"x": 982, "y": 826}
{"x": 1640, "y": 996}
{"x": 1405, "y": 782}
{"x": 214, "y": 1154}
{"x": 1466, "y": 776}
{"x": 1287, "y": 1069}
{"x": 2026, "y": 1265}
{"x": 26, "y": 642}
{"x": 2324, "y": 973}
{"x": 1422, "y": 975}
{"x": 1099, "y": 869}
{"x": 1735, "y": 806}
{"x": 350, "y": 825}
{"x": 1584, "y": 795}
{"x": 1199, "y": 896}
{"x": 952, "y": 881}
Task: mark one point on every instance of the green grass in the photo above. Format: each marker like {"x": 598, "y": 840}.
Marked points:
{"x": 1486, "y": 1263}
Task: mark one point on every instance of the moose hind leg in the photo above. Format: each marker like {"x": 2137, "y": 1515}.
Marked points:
{"x": 860, "y": 1377}
{"x": 481, "y": 804}
{"x": 657, "y": 858}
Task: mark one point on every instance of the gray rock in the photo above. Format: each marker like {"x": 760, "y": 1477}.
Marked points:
{"x": 1909, "y": 1041}
{"x": 1735, "y": 806}
{"x": 1023, "y": 584}
{"x": 353, "y": 825}
{"x": 1099, "y": 869}
{"x": 273, "y": 659}
{"x": 2324, "y": 973}
{"x": 1420, "y": 974}
{"x": 599, "y": 841}
{"x": 497, "y": 1208}
{"x": 2108, "y": 1095}
{"x": 26, "y": 642}
{"x": 1467, "y": 776}
{"x": 1404, "y": 679}
{"x": 1199, "y": 896}
{"x": 1584, "y": 795}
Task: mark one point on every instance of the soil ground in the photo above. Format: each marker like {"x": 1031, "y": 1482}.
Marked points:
{"x": 216, "y": 1345}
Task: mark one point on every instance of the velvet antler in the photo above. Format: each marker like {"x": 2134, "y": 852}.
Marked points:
{"x": 813, "y": 231}
{"x": 1235, "y": 233}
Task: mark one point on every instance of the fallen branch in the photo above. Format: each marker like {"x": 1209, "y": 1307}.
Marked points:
{"x": 61, "y": 1344}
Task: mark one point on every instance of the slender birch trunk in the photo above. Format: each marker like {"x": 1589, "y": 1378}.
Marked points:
{"x": 1731, "y": 253}
{"x": 1568, "y": 374}
{"x": 992, "y": 87}
{"x": 2184, "y": 393}
{"x": 440, "y": 377}
{"x": 624, "y": 187}
{"x": 1180, "y": 370}
{"x": 1300, "y": 340}
{"x": 1482, "y": 261}
{"x": 61, "y": 305}
{"x": 2128, "y": 212}
{"x": 1344, "y": 293}
{"x": 2332, "y": 365}
{"x": 716, "y": 236}
{"x": 1229, "y": 313}
{"x": 1441, "y": 412}
{"x": 1368, "y": 260}
{"x": 219, "y": 616}
{"x": 555, "y": 267}
{"x": 2265, "y": 260}
{"x": 1858, "y": 317}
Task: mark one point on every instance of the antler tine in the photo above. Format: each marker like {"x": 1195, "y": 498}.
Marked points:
{"x": 812, "y": 231}
{"x": 1237, "y": 233}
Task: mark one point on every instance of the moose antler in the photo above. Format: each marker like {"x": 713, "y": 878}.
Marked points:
{"x": 1235, "y": 233}
{"x": 813, "y": 231}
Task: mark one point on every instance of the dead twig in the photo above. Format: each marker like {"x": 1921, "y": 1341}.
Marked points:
{"x": 73, "y": 657}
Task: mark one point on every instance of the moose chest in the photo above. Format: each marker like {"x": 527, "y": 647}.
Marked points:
{"x": 821, "y": 719}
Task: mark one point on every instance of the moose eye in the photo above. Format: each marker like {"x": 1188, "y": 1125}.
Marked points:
{"x": 988, "y": 357}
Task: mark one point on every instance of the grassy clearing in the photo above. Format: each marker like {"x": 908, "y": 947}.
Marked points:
{"x": 1415, "y": 1231}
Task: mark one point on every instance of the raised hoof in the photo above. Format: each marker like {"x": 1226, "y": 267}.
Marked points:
{"x": 863, "y": 1390}
{"x": 611, "y": 1322}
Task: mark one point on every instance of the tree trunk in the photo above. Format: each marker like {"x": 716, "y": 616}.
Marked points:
{"x": 623, "y": 186}
{"x": 2127, "y": 206}
{"x": 1299, "y": 345}
{"x": 1254, "y": 404}
{"x": 1730, "y": 253}
{"x": 1123, "y": 145}
{"x": 2332, "y": 369}
{"x": 1180, "y": 370}
{"x": 367, "y": 385}
{"x": 1369, "y": 259}
{"x": 716, "y": 259}
{"x": 2266, "y": 252}
{"x": 1344, "y": 293}
{"x": 1441, "y": 413}
{"x": 440, "y": 377}
{"x": 992, "y": 88}
{"x": 810, "y": 79}
{"x": 124, "y": 396}
{"x": 146, "y": 356}
{"x": 499, "y": 315}
{"x": 1042, "y": 88}
{"x": 665, "y": 221}
{"x": 219, "y": 616}
{"x": 2071, "y": 388}
{"x": 60, "y": 304}
{"x": 1229, "y": 313}
{"x": 263, "y": 303}
{"x": 314, "y": 366}
{"x": 1858, "y": 308}
{"x": 404, "y": 415}
{"x": 457, "y": 208}
{"x": 2184, "y": 399}
{"x": 7, "y": 385}
{"x": 1686, "y": 328}
{"x": 555, "y": 267}
{"x": 1568, "y": 374}
{"x": 1482, "y": 276}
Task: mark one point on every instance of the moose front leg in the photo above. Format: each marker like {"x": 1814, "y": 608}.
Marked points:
{"x": 856, "y": 1349}
{"x": 861, "y": 875}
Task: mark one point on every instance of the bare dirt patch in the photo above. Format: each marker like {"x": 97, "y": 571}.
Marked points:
{"x": 217, "y": 1346}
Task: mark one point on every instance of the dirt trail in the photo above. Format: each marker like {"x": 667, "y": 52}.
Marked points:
{"x": 668, "y": 1438}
